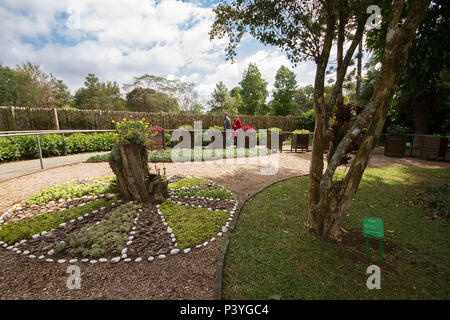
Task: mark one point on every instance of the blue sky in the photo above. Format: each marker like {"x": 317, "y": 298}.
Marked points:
{"x": 118, "y": 40}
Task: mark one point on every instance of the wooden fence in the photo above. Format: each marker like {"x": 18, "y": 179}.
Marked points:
{"x": 24, "y": 118}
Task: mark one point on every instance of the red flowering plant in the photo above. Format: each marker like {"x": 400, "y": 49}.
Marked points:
{"x": 344, "y": 116}
{"x": 156, "y": 128}
{"x": 245, "y": 128}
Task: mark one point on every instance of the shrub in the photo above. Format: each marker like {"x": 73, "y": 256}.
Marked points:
{"x": 25, "y": 147}
{"x": 186, "y": 127}
{"x": 397, "y": 130}
{"x": 301, "y": 131}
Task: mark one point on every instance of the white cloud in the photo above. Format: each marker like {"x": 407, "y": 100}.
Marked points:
{"x": 120, "y": 39}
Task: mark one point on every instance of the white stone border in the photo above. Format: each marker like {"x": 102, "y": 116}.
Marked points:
{"x": 123, "y": 257}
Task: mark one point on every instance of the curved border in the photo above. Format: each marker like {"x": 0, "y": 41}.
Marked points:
{"x": 221, "y": 259}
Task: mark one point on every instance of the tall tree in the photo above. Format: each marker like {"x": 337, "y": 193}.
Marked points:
{"x": 418, "y": 90}
{"x": 306, "y": 30}
{"x": 218, "y": 102}
{"x": 148, "y": 100}
{"x": 99, "y": 95}
{"x": 304, "y": 99}
{"x": 254, "y": 92}
{"x": 283, "y": 96}
{"x": 62, "y": 96}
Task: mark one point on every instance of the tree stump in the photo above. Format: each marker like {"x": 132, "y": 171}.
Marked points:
{"x": 129, "y": 163}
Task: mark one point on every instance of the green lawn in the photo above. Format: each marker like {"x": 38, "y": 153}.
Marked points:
{"x": 272, "y": 255}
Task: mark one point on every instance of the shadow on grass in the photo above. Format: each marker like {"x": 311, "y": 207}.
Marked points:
{"x": 272, "y": 253}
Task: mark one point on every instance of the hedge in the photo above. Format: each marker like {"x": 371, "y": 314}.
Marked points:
{"x": 25, "y": 147}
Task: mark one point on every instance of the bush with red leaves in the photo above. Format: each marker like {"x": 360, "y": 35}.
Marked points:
{"x": 344, "y": 116}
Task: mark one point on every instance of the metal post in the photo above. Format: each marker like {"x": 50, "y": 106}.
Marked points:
{"x": 64, "y": 143}
{"x": 40, "y": 151}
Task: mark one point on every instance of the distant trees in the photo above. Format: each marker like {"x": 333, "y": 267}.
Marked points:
{"x": 99, "y": 95}
{"x": 254, "y": 92}
{"x": 28, "y": 86}
{"x": 283, "y": 96}
{"x": 221, "y": 100}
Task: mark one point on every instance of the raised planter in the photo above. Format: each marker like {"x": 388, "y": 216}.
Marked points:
{"x": 395, "y": 146}
{"x": 433, "y": 148}
{"x": 158, "y": 141}
{"x": 300, "y": 141}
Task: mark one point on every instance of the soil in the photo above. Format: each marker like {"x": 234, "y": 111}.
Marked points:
{"x": 181, "y": 276}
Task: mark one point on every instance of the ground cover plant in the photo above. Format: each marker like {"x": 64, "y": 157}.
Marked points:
{"x": 192, "y": 225}
{"x": 66, "y": 190}
{"x": 24, "y": 229}
{"x": 107, "y": 237}
{"x": 271, "y": 254}
{"x": 216, "y": 193}
{"x": 188, "y": 183}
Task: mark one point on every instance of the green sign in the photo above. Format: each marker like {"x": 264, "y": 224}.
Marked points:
{"x": 373, "y": 227}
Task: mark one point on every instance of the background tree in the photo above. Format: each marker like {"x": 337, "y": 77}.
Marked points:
{"x": 304, "y": 99}
{"x": 218, "y": 102}
{"x": 8, "y": 84}
{"x": 99, "y": 95}
{"x": 283, "y": 96}
{"x": 254, "y": 92}
{"x": 306, "y": 30}
{"x": 62, "y": 95}
{"x": 148, "y": 100}
{"x": 419, "y": 102}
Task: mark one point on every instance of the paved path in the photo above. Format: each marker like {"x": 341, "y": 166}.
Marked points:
{"x": 16, "y": 169}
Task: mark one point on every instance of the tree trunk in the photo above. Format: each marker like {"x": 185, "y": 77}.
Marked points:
{"x": 330, "y": 201}
{"x": 129, "y": 163}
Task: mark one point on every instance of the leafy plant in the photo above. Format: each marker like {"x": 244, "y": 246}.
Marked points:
{"x": 192, "y": 226}
{"x": 207, "y": 193}
{"x": 188, "y": 183}
{"x": 18, "y": 230}
{"x": 66, "y": 190}
{"x": 397, "y": 130}
{"x": 301, "y": 131}
{"x": 107, "y": 237}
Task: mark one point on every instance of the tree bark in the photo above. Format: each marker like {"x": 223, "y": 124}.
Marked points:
{"x": 129, "y": 163}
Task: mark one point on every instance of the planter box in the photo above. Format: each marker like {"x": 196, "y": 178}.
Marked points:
{"x": 395, "y": 146}
{"x": 300, "y": 141}
{"x": 431, "y": 148}
{"x": 158, "y": 142}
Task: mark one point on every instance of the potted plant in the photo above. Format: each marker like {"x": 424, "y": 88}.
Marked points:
{"x": 300, "y": 140}
{"x": 158, "y": 141}
{"x": 395, "y": 144}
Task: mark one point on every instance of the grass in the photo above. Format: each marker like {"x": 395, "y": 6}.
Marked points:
{"x": 184, "y": 155}
{"x": 188, "y": 183}
{"x": 24, "y": 229}
{"x": 66, "y": 190}
{"x": 107, "y": 237}
{"x": 216, "y": 193}
{"x": 272, "y": 254}
{"x": 192, "y": 225}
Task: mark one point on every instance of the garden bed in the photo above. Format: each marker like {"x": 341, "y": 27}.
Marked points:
{"x": 99, "y": 228}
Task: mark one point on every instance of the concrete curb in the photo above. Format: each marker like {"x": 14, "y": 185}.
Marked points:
{"x": 221, "y": 260}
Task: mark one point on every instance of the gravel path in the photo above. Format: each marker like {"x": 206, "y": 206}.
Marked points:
{"x": 177, "y": 277}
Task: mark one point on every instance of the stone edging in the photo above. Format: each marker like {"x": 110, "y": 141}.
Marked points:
{"x": 217, "y": 295}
